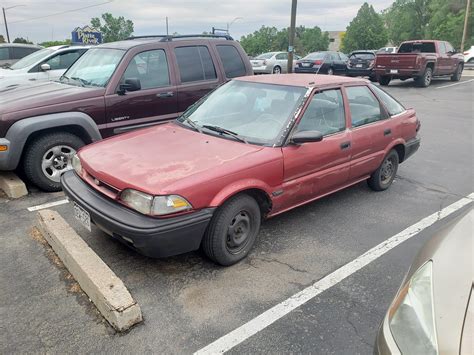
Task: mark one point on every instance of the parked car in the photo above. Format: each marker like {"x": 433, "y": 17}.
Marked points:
{"x": 420, "y": 60}
{"x": 44, "y": 65}
{"x": 112, "y": 88}
{"x": 361, "y": 63}
{"x": 322, "y": 63}
{"x": 271, "y": 63}
{"x": 12, "y": 52}
{"x": 433, "y": 311}
{"x": 469, "y": 55}
{"x": 387, "y": 50}
{"x": 254, "y": 148}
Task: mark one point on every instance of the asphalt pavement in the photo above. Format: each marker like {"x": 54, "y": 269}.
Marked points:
{"x": 188, "y": 302}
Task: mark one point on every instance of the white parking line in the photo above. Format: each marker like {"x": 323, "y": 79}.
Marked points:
{"x": 265, "y": 319}
{"x": 460, "y": 83}
{"x": 48, "y": 205}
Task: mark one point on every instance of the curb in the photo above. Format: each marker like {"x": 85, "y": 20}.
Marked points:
{"x": 12, "y": 185}
{"x": 96, "y": 279}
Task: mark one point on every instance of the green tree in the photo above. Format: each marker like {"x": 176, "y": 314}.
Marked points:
{"x": 113, "y": 28}
{"x": 313, "y": 40}
{"x": 261, "y": 41}
{"x": 55, "y": 43}
{"x": 21, "y": 40}
{"x": 2, "y": 39}
{"x": 366, "y": 31}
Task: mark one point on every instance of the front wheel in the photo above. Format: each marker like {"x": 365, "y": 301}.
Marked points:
{"x": 48, "y": 157}
{"x": 457, "y": 74}
{"x": 385, "y": 80}
{"x": 233, "y": 230}
{"x": 383, "y": 177}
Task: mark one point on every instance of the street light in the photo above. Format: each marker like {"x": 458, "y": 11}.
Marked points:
{"x": 231, "y": 22}
{"x": 5, "y": 19}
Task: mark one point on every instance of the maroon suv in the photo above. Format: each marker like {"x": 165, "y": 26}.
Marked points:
{"x": 113, "y": 88}
{"x": 254, "y": 148}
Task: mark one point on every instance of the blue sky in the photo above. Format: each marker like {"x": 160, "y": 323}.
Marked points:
{"x": 185, "y": 16}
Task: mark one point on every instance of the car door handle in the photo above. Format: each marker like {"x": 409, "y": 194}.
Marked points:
{"x": 165, "y": 94}
{"x": 345, "y": 145}
{"x": 387, "y": 132}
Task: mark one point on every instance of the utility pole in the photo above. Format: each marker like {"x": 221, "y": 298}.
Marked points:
{"x": 291, "y": 39}
{"x": 6, "y": 26}
{"x": 167, "y": 32}
{"x": 464, "y": 32}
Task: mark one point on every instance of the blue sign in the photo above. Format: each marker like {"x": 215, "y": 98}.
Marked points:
{"x": 86, "y": 35}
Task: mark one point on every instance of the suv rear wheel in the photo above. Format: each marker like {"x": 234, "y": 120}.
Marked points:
{"x": 383, "y": 177}
{"x": 48, "y": 156}
{"x": 425, "y": 80}
{"x": 233, "y": 230}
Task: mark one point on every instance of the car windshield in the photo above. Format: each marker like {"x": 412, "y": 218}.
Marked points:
{"x": 315, "y": 55}
{"x": 265, "y": 56}
{"x": 94, "y": 68}
{"x": 368, "y": 56}
{"x": 253, "y": 112}
{"x": 32, "y": 58}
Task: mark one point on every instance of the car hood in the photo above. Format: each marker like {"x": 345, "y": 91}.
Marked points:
{"x": 161, "y": 159}
{"x": 26, "y": 97}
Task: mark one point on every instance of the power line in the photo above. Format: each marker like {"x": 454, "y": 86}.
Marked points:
{"x": 61, "y": 13}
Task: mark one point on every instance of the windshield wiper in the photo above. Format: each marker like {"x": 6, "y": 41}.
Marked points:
{"x": 225, "y": 131}
{"x": 82, "y": 81}
{"x": 191, "y": 123}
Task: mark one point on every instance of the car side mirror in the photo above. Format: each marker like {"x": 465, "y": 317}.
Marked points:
{"x": 306, "y": 137}
{"x": 131, "y": 84}
{"x": 45, "y": 67}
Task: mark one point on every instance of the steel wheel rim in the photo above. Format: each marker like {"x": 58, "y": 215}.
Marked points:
{"x": 428, "y": 78}
{"x": 239, "y": 232}
{"x": 56, "y": 161}
{"x": 387, "y": 170}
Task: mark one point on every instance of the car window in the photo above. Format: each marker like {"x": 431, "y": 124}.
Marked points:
{"x": 343, "y": 57}
{"x": 150, "y": 67}
{"x": 63, "y": 60}
{"x": 265, "y": 56}
{"x": 282, "y": 56}
{"x": 4, "y": 53}
{"x": 195, "y": 64}
{"x": 233, "y": 64}
{"x": 325, "y": 113}
{"x": 315, "y": 55}
{"x": 364, "y": 107}
{"x": 449, "y": 47}
{"x": 19, "y": 52}
{"x": 32, "y": 58}
{"x": 442, "y": 47}
{"x": 417, "y": 47}
{"x": 393, "y": 106}
{"x": 368, "y": 56}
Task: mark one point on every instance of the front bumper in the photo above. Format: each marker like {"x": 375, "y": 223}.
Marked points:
{"x": 154, "y": 237}
{"x": 411, "y": 147}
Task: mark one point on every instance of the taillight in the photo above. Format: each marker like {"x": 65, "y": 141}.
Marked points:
{"x": 318, "y": 62}
{"x": 466, "y": 53}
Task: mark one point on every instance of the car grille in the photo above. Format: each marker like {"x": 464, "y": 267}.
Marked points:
{"x": 102, "y": 187}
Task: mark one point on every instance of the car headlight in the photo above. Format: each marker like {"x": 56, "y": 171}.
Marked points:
{"x": 154, "y": 205}
{"x": 411, "y": 317}
{"x": 76, "y": 164}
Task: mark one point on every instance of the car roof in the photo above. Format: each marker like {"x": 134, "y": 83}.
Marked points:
{"x": 137, "y": 41}
{"x": 363, "y": 51}
{"x": 301, "y": 80}
{"x": 27, "y": 45}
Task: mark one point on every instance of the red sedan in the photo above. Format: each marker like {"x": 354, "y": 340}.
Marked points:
{"x": 254, "y": 148}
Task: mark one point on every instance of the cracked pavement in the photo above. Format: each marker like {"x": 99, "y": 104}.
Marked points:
{"x": 188, "y": 302}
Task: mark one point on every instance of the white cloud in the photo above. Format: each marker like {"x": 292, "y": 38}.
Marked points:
{"x": 185, "y": 16}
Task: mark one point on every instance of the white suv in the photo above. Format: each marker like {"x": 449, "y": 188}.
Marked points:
{"x": 44, "y": 65}
{"x": 469, "y": 55}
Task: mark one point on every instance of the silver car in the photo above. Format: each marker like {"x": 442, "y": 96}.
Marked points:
{"x": 12, "y": 52}
{"x": 271, "y": 63}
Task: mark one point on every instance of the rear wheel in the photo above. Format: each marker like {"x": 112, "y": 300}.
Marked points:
{"x": 233, "y": 230}
{"x": 385, "y": 80}
{"x": 458, "y": 73}
{"x": 48, "y": 157}
{"x": 372, "y": 78}
{"x": 425, "y": 80}
{"x": 277, "y": 70}
{"x": 383, "y": 177}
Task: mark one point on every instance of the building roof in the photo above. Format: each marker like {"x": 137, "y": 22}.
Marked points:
{"x": 303, "y": 80}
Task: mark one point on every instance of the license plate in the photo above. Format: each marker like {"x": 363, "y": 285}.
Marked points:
{"x": 358, "y": 65}
{"x": 393, "y": 71}
{"x": 306, "y": 64}
{"x": 82, "y": 216}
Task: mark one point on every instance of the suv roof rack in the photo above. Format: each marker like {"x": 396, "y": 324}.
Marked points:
{"x": 167, "y": 38}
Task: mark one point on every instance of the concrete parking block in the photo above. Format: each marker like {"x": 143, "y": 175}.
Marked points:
{"x": 96, "y": 279}
{"x": 12, "y": 185}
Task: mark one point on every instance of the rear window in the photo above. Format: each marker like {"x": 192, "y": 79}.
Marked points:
{"x": 233, "y": 63}
{"x": 19, "y": 52}
{"x": 417, "y": 47}
{"x": 195, "y": 64}
{"x": 265, "y": 55}
{"x": 362, "y": 56}
{"x": 316, "y": 55}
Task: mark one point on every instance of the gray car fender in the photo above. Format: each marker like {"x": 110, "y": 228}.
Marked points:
{"x": 19, "y": 132}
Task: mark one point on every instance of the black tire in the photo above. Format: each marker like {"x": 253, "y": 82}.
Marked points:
{"x": 385, "y": 80}
{"x": 458, "y": 73}
{"x": 232, "y": 231}
{"x": 372, "y": 78}
{"x": 383, "y": 177}
{"x": 276, "y": 69}
{"x": 35, "y": 153}
{"x": 424, "y": 80}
